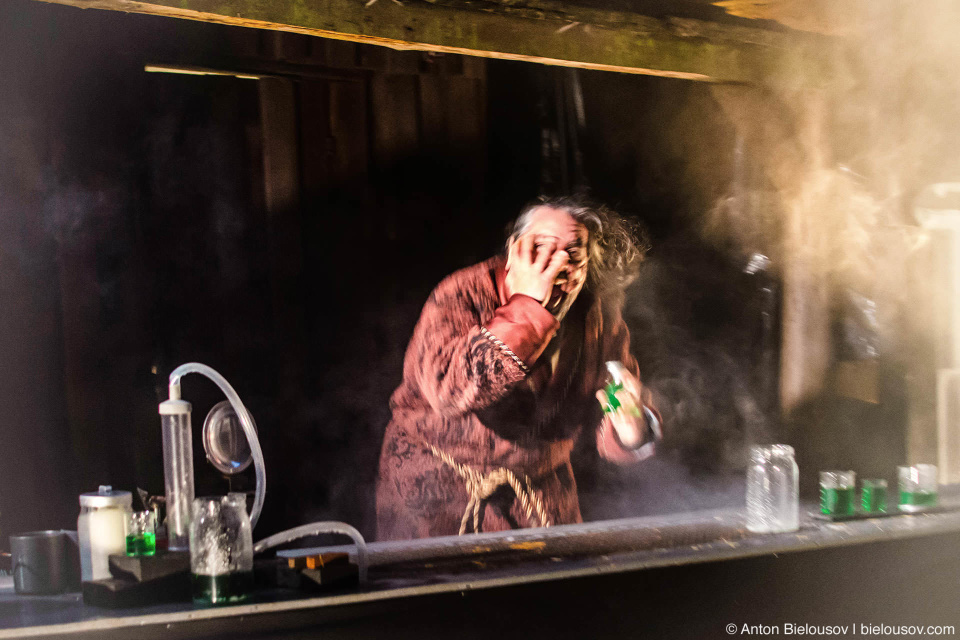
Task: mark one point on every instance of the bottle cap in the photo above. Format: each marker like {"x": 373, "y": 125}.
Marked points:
{"x": 175, "y": 407}
{"x": 106, "y": 497}
{"x": 761, "y": 452}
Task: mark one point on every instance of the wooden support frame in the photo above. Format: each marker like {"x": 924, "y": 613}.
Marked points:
{"x": 540, "y": 31}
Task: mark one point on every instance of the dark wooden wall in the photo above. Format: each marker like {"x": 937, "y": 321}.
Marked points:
{"x": 259, "y": 226}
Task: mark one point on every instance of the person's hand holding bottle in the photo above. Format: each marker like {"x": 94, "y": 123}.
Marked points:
{"x": 622, "y": 405}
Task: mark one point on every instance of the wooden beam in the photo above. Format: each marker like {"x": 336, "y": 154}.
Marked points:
{"x": 281, "y": 174}
{"x": 543, "y": 31}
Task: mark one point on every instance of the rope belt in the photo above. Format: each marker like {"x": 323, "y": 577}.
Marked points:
{"x": 480, "y": 487}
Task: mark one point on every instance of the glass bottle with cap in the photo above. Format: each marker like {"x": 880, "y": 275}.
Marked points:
{"x": 102, "y": 529}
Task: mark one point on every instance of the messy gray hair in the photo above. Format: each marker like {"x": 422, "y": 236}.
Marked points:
{"x": 615, "y": 245}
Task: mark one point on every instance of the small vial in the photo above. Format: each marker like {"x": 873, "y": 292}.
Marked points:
{"x": 617, "y": 373}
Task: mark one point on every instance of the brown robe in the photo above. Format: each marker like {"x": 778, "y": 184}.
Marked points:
{"x": 468, "y": 397}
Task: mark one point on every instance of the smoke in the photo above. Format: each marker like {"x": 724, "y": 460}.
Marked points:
{"x": 825, "y": 184}
{"x": 836, "y": 167}
{"x": 697, "y": 329}
{"x": 823, "y": 178}
{"x": 696, "y": 320}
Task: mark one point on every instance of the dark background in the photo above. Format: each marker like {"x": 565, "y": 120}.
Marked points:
{"x": 286, "y": 232}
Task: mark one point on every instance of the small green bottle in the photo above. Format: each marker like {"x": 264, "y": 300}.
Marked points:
{"x": 613, "y": 403}
{"x": 614, "y": 384}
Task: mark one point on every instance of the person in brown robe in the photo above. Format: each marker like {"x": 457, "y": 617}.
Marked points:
{"x": 504, "y": 371}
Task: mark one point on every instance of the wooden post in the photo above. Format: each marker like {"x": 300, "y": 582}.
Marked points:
{"x": 282, "y": 193}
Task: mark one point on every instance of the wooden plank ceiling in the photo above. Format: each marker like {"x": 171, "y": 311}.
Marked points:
{"x": 729, "y": 41}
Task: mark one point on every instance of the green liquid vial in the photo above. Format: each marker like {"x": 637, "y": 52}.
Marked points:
{"x": 612, "y": 402}
{"x": 873, "y": 499}
{"x": 144, "y": 544}
{"x": 615, "y": 384}
{"x": 227, "y": 588}
{"x": 918, "y": 499}
{"x": 837, "y": 502}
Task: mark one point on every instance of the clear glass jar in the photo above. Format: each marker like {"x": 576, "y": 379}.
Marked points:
{"x": 773, "y": 490}
{"x": 221, "y": 549}
{"x": 102, "y": 530}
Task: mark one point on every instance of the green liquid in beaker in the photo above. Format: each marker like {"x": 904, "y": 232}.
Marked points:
{"x": 144, "y": 544}
{"x": 223, "y": 589}
{"x": 918, "y": 498}
{"x": 837, "y": 502}
{"x": 873, "y": 499}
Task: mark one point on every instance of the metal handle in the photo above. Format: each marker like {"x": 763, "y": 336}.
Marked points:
{"x": 19, "y": 565}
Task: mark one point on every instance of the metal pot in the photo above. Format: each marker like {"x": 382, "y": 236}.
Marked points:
{"x": 40, "y": 562}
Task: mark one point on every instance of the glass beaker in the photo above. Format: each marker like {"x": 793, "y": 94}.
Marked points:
{"x": 873, "y": 495}
{"x": 773, "y": 490}
{"x": 141, "y": 534}
{"x": 837, "y": 490}
{"x": 221, "y": 550}
{"x": 918, "y": 487}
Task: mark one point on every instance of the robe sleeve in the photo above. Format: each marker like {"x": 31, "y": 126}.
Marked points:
{"x": 461, "y": 365}
{"x": 609, "y": 446}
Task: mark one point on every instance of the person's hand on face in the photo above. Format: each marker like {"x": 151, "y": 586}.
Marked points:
{"x": 532, "y": 268}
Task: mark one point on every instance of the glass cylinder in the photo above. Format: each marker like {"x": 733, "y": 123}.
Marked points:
{"x": 837, "y": 492}
{"x": 918, "y": 487}
{"x": 873, "y": 495}
{"x": 177, "y": 436}
{"x": 221, "y": 550}
{"x": 773, "y": 490}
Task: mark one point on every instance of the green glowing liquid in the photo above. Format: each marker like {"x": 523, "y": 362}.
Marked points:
{"x": 612, "y": 402}
{"x": 142, "y": 544}
{"x": 873, "y": 499}
{"x": 223, "y": 589}
{"x": 837, "y": 502}
{"x": 918, "y": 498}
